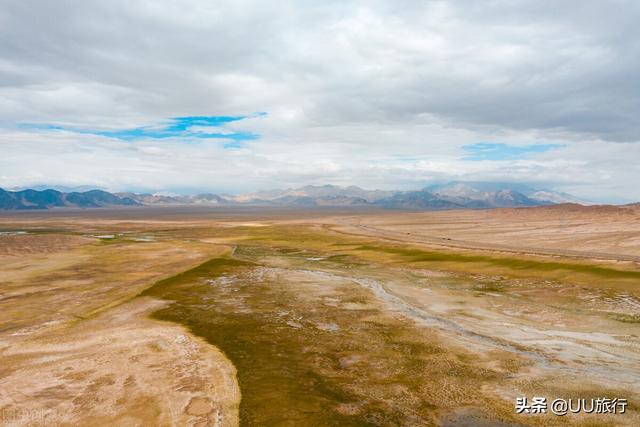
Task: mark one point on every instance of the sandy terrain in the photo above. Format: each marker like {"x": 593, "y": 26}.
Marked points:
{"x": 600, "y": 232}
{"x": 167, "y": 317}
{"x": 119, "y": 368}
{"x": 63, "y": 347}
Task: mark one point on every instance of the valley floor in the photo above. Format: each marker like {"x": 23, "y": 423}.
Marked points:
{"x": 215, "y": 317}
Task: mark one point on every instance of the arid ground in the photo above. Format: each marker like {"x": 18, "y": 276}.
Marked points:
{"x": 221, "y": 317}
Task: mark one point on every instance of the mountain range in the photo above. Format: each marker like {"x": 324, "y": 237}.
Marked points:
{"x": 453, "y": 195}
{"x": 45, "y": 199}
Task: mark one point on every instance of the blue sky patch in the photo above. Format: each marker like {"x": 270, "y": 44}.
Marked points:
{"x": 500, "y": 151}
{"x": 203, "y": 127}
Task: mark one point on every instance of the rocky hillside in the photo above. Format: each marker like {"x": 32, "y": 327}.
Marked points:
{"x": 45, "y": 199}
{"x": 455, "y": 195}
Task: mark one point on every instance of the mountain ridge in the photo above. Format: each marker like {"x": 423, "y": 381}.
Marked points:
{"x": 30, "y": 199}
{"x": 453, "y": 195}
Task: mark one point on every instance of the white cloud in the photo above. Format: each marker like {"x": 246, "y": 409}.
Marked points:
{"x": 380, "y": 94}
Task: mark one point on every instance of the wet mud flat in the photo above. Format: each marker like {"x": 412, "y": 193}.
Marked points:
{"x": 312, "y": 348}
{"x": 316, "y": 342}
{"x": 322, "y": 328}
{"x": 318, "y": 326}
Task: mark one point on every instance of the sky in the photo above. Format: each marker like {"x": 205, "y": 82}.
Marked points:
{"x": 235, "y": 96}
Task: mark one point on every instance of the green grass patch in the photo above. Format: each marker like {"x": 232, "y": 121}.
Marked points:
{"x": 208, "y": 269}
{"x": 418, "y": 255}
{"x": 625, "y": 318}
{"x": 490, "y": 287}
{"x": 306, "y": 375}
{"x": 368, "y": 250}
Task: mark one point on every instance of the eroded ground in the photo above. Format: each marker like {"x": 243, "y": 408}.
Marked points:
{"x": 312, "y": 321}
{"x": 78, "y": 348}
{"x": 599, "y": 232}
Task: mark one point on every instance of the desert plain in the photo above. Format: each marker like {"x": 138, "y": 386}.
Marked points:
{"x": 257, "y": 317}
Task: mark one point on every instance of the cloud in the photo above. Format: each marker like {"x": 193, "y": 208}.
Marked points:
{"x": 378, "y": 93}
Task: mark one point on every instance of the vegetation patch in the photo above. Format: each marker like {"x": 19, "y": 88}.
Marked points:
{"x": 625, "y": 318}
{"x": 369, "y": 368}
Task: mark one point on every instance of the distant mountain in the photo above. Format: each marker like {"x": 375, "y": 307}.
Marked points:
{"x": 158, "y": 199}
{"x": 510, "y": 198}
{"x": 557, "y": 197}
{"x": 45, "y": 199}
{"x": 154, "y": 199}
{"x": 7, "y": 200}
{"x": 457, "y": 195}
{"x": 453, "y": 195}
{"x": 425, "y": 200}
{"x": 208, "y": 199}
{"x": 61, "y": 188}
{"x": 417, "y": 200}
{"x": 497, "y": 194}
{"x": 471, "y": 188}
{"x": 322, "y": 193}
{"x": 96, "y": 199}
